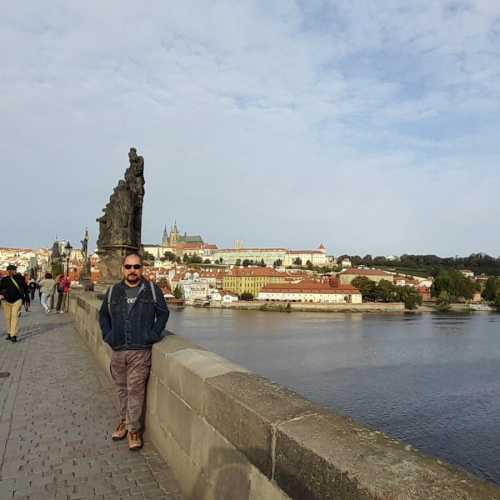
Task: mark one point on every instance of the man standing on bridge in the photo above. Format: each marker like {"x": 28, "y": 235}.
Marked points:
{"x": 133, "y": 316}
{"x": 13, "y": 293}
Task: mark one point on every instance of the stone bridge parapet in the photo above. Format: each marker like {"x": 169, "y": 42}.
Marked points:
{"x": 231, "y": 434}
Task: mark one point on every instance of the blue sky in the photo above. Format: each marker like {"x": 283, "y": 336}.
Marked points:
{"x": 369, "y": 126}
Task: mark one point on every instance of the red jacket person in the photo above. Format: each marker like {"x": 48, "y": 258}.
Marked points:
{"x": 133, "y": 316}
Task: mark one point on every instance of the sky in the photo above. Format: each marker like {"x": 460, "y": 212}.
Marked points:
{"x": 371, "y": 127}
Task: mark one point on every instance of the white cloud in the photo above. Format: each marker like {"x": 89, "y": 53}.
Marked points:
{"x": 369, "y": 126}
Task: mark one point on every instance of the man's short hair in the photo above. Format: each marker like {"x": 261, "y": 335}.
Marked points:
{"x": 11, "y": 267}
{"x": 132, "y": 255}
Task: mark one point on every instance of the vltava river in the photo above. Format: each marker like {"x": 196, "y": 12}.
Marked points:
{"x": 430, "y": 380}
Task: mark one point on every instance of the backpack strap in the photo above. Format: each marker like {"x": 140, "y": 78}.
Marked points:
{"x": 108, "y": 299}
{"x": 153, "y": 291}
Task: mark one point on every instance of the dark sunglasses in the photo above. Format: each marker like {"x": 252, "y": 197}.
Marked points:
{"x": 132, "y": 266}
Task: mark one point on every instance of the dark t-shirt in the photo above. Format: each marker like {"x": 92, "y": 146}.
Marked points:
{"x": 131, "y": 293}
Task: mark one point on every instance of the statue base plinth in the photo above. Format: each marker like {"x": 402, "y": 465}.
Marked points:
{"x": 110, "y": 263}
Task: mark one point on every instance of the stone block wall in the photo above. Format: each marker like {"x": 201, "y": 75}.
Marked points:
{"x": 230, "y": 434}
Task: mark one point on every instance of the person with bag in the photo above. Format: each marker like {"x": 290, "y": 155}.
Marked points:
{"x": 133, "y": 316}
{"x": 32, "y": 286}
{"x": 13, "y": 293}
{"x": 47, "y": 286}
{"x": 62, "y": 287}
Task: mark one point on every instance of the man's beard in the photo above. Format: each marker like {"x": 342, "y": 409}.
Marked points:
{"x": 132, "y": 278}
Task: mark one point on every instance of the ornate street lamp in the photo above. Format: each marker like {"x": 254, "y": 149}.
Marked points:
{"x": 67, "y": 252}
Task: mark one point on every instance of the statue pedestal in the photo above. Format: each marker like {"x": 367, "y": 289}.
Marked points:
{"x": 110, "y": 263}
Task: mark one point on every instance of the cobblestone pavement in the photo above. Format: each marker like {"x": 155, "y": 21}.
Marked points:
{"x": 56, "y": 415}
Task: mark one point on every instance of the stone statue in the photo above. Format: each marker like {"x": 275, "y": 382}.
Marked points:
{"x": 120, "y": 226}
{"x": 85, "y": 245}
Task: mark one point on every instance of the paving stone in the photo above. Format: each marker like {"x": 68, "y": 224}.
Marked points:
{"x": 56, "y": 415}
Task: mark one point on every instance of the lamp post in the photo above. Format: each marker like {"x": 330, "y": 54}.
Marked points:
{"x": 67, "y": 252}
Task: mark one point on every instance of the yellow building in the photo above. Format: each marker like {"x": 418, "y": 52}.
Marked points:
{"x": 251, "y": 280}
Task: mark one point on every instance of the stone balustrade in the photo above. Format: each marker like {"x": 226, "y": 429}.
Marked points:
{"x": 231, "y": 434}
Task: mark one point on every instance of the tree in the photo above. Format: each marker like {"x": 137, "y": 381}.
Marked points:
{"x": 168, "y": 255}
{"x": 298, "y": 261}
{"x": 148, "y": 257}
{"x": 246, "y": 296}
{"x": 367, "y": 287}
{"x": 178, "y": 292}
{"x": 206, "y": 261}
{"x": 278, "y": 263}
{"x": 443, "y": 301}
{"x": 496, "y": 302}
{"x": 309, "y": 265}
{"x": 238, "y": 262}
{"x": 185, "y": 258}
{"x": 262, "y": 263}
{"x": 455, "y": 284}
{"x": 247, "y": 262}
{"x": 490, "y": 289}
{"x": 411, "y": 298}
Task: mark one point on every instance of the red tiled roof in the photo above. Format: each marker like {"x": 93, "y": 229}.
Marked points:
{"x": 254, "y": 271}
{"x": 366, "y": 272}
{"x": 228, "y": 250}
{"x": 305, "y": 251}
{"x": 308, "y": 286}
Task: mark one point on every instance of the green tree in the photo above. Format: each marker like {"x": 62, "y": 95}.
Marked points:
{"x": 455, "y": 284}
{"x": 247, "y": 262}
{"x": 367, "y": 287}
{"x": 169, "y": 256}
{"x": 385, "y": 291}
{"x": 309, "y": 265}
{"x": 238, "y": 262}
{"x": 496, "y": 302}
{"x": 246, "y": 296}
{"x": 298, "y": 261}
{"x": 206, "y": 261}
{"x": 262, "y": 263}
{"x": 278, "y": 263}
{"x": 178, "y": 292}
{"x": 148, "y": 257}
{"x": 491, "y": 289}
{"x": 443, "y": 302}
{"x": 411, "y": 298}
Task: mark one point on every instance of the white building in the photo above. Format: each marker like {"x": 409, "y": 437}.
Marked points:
{"x": 310, "y": 291}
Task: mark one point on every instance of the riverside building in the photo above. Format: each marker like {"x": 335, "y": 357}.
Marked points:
{"x": 251, "y": 279}
{"x": 310, "y": 291}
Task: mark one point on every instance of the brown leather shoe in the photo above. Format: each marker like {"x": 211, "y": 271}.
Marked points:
{"x": 120, "y": 432}
{"x": 134, "y": 441}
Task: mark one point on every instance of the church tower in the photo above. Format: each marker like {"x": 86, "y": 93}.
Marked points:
{"x": 164, "y": 239}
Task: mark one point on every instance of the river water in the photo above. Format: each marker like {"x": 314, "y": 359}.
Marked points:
{"x": 431, "y": 380}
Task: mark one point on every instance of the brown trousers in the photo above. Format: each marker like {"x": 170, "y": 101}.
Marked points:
{"x": 130, "y": 372}
{"x": 11, "y": 314}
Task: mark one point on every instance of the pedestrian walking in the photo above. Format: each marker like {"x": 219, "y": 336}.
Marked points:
{"x": 13, "y": 293}
{"x": 47, "y": 286}
{"x": 133, "y": 316}
{"x": 62, "y": 287}
{"x": 32, "y": 286}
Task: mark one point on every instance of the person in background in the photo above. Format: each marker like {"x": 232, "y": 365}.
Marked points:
{"x": 63, "y": 285}
{"x": 47, "y": 286}
{"x": 32, "y": 286}
{"x": 13, "y": 293}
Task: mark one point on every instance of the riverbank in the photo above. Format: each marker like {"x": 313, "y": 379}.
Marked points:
{"x": 259, "y": 305}
{"x": 367, "y": 307}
